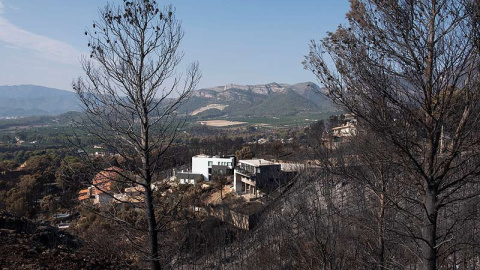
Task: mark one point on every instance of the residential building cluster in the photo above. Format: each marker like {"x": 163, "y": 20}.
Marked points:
{"x": 252, "y": 177}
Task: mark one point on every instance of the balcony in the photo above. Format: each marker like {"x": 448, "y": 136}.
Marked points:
{"x": 243, "y": 171}
{"x": 248, "y": 181}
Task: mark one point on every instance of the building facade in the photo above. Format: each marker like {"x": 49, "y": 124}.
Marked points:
{"x": 257, "y": 176}
{"x": 188, "y": 177}
{"x": 100, "y": 192}
{"x": 208, "y": 165}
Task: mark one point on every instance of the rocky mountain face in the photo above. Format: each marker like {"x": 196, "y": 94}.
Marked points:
{"x": 273, "y": 99}
{"x": 230, "y": 92}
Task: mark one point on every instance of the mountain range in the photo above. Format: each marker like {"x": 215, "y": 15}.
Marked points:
{"x": 230, "y": 100}
{"x": 273, "y": 99}
{"x": 29, "y": 100}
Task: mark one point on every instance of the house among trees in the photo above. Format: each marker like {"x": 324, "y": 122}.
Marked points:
{"x": 132, "y": 195}
{"x": 346, "y": 130}
{"x": 100, "y": 190}
{"x": 208, "y": 165}
{"x": 258, "y": 176}
{"x": 85, "y": 194}
{"x": 203, "y": 166}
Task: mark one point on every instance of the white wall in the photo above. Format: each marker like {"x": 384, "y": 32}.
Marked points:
{"x": 200, "y": 164}
{"x": 237, "y": 182}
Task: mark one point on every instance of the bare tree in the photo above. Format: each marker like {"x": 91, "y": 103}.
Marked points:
{"x": 131, "y": 93}
{"x": 409, "y": 70}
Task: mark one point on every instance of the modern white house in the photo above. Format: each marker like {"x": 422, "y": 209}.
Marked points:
{"x": 203, "y": 166}
{"x": 208, "y": 165}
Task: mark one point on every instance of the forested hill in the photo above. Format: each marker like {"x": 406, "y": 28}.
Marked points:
{"x": 28, "y": 100}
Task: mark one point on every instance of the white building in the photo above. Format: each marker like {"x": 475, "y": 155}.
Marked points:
{"x": 208, "y": 165}
{"x": 348, "y": 128}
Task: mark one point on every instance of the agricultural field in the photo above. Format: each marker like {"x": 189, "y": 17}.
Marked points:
{"x": 221, "y": 123}
{"x": 286, "y": 121}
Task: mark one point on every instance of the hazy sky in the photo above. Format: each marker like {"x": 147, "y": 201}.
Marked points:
{"x": 235, "y": 41}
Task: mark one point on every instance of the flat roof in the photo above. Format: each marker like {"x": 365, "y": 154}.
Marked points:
{"x": 258, "y": 162}
{"x": 202, "y": 156}
{"x": 217, "y": 156}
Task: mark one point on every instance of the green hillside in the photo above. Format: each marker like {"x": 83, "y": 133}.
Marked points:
{"x": 286, "y": 104}
{"x": 257, "y": 101}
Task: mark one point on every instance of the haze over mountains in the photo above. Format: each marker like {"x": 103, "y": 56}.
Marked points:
{"x": 28, "y": 100}
{"x": 271, "y": 99}
{"x": 230, "y": 100}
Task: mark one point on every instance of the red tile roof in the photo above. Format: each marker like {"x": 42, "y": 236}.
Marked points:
{"x": 103, "y": 180}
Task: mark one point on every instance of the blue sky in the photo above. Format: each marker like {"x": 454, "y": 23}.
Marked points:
{"x": 235, "y": 41}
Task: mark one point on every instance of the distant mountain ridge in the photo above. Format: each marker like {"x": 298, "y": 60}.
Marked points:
{"x": 29, "y": 100}
{"x": 231, "y": 100}
{"x": 272, "y": 99}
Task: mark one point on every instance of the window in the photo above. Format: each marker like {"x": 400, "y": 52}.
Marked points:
{"x": 258, "y": 170}
{"x": 210, "y": 163}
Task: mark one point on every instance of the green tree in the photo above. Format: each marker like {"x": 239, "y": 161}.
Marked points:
{"x": 48, "y": 204}
{"x": 244, "y": 153}
{"x": 21, "y": 199}
{"x": 70, "y": 176}
{"x": 7, "y": 165}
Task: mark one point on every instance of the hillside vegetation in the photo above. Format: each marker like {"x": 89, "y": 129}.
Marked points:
{"x": 258, "y": 101}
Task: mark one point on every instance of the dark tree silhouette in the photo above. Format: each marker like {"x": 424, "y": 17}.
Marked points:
{"x": 409, "y": 71}
{"x": 131, "y": 93}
